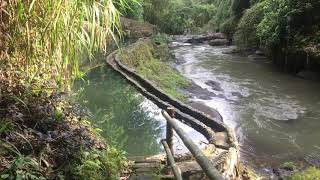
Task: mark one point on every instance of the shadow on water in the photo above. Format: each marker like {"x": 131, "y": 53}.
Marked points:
{"x": 115, "y": 108}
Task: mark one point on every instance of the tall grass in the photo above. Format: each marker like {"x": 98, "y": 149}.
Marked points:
{"x": 46, "y": 39}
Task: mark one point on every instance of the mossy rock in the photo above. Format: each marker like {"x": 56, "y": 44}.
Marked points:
{"x": 289, "y": 166}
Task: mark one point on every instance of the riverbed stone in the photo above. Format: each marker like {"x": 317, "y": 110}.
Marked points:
{"x": 257, "y": 57}
{"x": 214, "y": 85}
{"x": 220, "y": 139}
{"x": 207, "y": 110}
{"x": 237, "y": 94}
{"x": 199, "y": 92}
{"x": 205, "y": 38}
{"x": 219, "y": 42}
{"x": 259, "y": 53}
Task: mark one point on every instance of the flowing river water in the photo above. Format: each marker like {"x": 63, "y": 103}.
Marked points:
{"x": 275, "y": 115}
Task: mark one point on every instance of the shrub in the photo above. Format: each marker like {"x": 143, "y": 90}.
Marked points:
{"x": 100, "y": 164}
{"x": 246, "y": 31}
{"x": 273, "y": 25}
{"x": 311, "y": 173}
{"x": 229, "y": 26}
{"x": 130, "y": 8}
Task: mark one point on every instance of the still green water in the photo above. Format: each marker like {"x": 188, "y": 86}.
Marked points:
{"x": 117, "y": 109}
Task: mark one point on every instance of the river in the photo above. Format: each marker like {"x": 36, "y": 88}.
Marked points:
{"x": 275, "y": 115}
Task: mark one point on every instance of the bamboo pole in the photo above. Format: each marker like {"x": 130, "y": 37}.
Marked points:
{"x": 169, "y": 135}
{"x": 170, "y": 159}
{"x": 211, "y": 172}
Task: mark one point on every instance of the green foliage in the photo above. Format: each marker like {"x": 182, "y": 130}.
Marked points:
{"x": 162, "y": 74}
{"x": 274, "y": 23}
{"x": 141, "y": 57}
{"x": 288, "y": 166}
{"x": 160, "y": 38}
{"x": 130, "y": 8}
{"x": 100, "y": 164}
{"x": 246, "y": 32}
{"x": 311, "y": 173}
{"x": 23, "y": 167}
{"x": 224, "y": 11}
{"x": 238, "y": 6}
{"x": 45, "y": 40}
{"x": 229, "y": 26}
{"x": 5, "y": 126}
{"x": 174, "y": 17}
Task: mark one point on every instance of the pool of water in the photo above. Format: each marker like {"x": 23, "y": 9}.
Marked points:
{"x": 127, "y": 120}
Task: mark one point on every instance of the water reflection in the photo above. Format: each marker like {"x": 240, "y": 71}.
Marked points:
{"x": 115, "y": 109}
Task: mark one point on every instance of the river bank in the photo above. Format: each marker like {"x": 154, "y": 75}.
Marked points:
{"x": 46, "y": 136}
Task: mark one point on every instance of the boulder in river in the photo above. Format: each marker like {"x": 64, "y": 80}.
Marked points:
{"x": 219, "y": 42}
{"x": 309, "y": 75}
{"x": 214, "y": 85}
{"x": 206, "y": 37}
{"x": 199, "y": 92}
{"x": 200, "y": 106}
{"x": 237, "y": 94}
{"x": 257, "y": 57}
{"x": 259, "y": 53}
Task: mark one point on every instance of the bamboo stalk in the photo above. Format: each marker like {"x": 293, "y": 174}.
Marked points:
{"x": 170, "y": 159}
{"x": 211, "y": 172}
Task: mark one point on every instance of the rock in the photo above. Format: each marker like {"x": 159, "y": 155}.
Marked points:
{"x": 314, "y": 162}
{"x": 309, "y": 75}
{"x": 219, "y": 36}
{"x": 191, "y": 170}
{"x": 207, "y": 110}
{"x": 256, "y": 57}
{"x": 137, "y": 29}
{"x": 214, "y": 85}
{"x": 237, "y": 94}
{"x": 219, "y": 42}
{"x": 259, "y": 53}
{"x": 221, "y": 96}
{"x": 221, "y": 140}
{"x": 289, "y": 166}
{"x": 199, "y": 92}
{"x": 282, "y": 173}
{"x": 205, "y": 37}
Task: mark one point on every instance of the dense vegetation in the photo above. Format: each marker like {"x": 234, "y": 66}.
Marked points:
{"x": 252, "y": 23}
{"x": 42, "y": 44}
{"x": 292, "y": 25}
